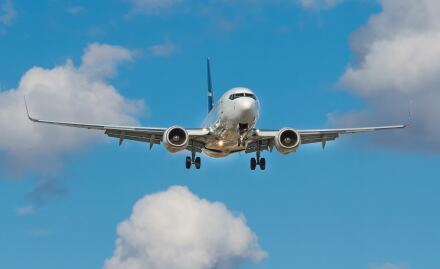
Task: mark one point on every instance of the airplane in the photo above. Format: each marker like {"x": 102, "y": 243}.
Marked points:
{"x": 229, "y": 127}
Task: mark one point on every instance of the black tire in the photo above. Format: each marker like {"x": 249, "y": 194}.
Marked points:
{"x": 253, "y": 163}
{"x": 198, "y": 162}
{"x": 263, "y": 164}
{"x": 188, "y": 162}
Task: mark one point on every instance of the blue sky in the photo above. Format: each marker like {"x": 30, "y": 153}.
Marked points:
{"x": 358, "y": 204}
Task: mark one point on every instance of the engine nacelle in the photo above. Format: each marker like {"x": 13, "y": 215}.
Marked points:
{"x": 175, "y": 139}
{"x": 287, "y": 140}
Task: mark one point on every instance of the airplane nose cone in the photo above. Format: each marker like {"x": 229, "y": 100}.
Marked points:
{"x": 247, "y": 110}
{"x": 247, "y": 105}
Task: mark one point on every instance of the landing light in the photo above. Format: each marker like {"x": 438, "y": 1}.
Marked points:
{"x": 220, "y": 143}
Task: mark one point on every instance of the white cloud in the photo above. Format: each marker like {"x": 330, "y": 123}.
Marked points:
{"x": 7, "y": 12}
{"x": 397, "y": 60}
{"x": 154, "y": 7}
{"x": 26, "y": 210}
{"x": 100, "y": 60}
{"x": 44, "y": 190}
{"x": 162, "y": 50}
{"x": 389, "y": 266}
{"x": 177, "y": 230}
{"x": 319, "y": 4}
{"x": 65, "y": 92}
{"x": 75, "y": 10}
{"x": 211, "y": 8}
{"x": 39, "y": 232}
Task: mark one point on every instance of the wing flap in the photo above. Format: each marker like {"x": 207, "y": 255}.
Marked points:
{"x": 262, "y": 144}
{"x": 317, "y": 140}
{"x": 135, "y": 136}
{"x": 195, "y": 145}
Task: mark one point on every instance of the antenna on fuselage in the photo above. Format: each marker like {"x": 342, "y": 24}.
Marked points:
{"x": 210, "y": 89}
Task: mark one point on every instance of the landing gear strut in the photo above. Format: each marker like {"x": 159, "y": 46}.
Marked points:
{"x": 193, "y": 160}
{"x": 258, "y": 161}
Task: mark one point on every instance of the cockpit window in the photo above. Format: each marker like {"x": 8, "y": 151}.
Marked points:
{"x": 238, "y": 95}
{"x": 250, "y": 95}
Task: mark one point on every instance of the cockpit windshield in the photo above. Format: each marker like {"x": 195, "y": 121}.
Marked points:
{"x": 238, "y": 95}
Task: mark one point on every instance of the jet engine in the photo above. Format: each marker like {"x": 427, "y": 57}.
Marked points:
{"x": 287, "y": 140}
{"x": 175, "y": 139}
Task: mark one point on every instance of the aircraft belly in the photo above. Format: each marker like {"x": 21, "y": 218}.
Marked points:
{"x": 215, "y": 154}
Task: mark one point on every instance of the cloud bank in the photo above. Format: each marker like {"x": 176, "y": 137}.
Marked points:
{"x": 397, "y": 59}
{"x": 64, "y": 92}
{"x": 177, "y": 230}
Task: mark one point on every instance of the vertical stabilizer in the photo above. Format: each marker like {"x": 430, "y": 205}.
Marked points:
{"x": 210, "y": 90}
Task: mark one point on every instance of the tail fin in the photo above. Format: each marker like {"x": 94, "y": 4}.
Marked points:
{"x": 210, "y": 90}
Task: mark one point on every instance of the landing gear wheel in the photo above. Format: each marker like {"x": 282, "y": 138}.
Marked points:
{"x": 253, "y": 163}
{"x": 197, "y": 162}
{"x": 188, "y": 162}
{"x": 262, "y": 163}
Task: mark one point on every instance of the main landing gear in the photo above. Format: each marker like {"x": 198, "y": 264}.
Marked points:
{"x": 258, "y": 161}
{"x": 193, "y": 160}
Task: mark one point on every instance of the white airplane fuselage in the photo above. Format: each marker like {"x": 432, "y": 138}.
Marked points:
{"x": 230, "y": 121}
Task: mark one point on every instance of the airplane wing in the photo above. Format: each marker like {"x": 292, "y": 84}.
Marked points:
{"x": 151, "y": 135}
{"x": 264, "y": 139}
{"x": 323, "y": 135}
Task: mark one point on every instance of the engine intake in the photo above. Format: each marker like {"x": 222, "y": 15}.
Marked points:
{"x": 287, "y": 141}
{"x": 175, "y": 139}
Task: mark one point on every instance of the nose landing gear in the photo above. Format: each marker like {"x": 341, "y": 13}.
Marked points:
{"x": 258, "y": 161}
{"x": 193, "y": 160}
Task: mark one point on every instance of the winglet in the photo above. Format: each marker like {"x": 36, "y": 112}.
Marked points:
{"x": 210, "y": 90}
{"x": 27, "y": 111}
{"x": 409, "y": 113}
